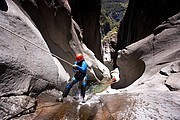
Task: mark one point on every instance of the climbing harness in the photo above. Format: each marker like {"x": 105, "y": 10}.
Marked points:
{"x": 47, "y": 51}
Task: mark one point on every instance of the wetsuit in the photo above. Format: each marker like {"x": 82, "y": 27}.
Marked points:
{"x": 80, "y": 76}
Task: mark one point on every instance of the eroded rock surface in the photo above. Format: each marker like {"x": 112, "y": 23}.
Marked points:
{"x": 125, "y": 105}
{"x": 22, "y": 65}
{"x": 158, "y": 49}
{"x": 27, "y": 67}
{"x": 142, "y": 17}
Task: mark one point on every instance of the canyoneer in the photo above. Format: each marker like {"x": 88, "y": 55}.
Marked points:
{"x": 79, "y": 68}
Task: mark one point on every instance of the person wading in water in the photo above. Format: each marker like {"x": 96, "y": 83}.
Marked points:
{"x": 79, "y": 68}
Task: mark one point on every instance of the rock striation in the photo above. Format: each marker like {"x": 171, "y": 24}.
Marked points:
{"x": 160, "y": 29}
{"x": 24, "y": 68}
{"x": 58, "y": 23}
{"x": 148, "y": 59}
{"x": 149, "y": 68}
{"x": 30, "y": 32}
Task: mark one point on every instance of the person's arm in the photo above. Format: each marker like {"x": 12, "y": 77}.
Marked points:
{"x": 82, "y": 68}
{"x": 74, "y": 68}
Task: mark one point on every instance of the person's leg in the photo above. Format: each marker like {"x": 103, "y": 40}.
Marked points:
{"x": 83, "y": 86}
{"x": 69, "y": 86}
{"x": 77, "y": 93}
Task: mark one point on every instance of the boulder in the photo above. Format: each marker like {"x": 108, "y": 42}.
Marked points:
{"x": 26, "y": 64}
{"x": 23, "y": 63}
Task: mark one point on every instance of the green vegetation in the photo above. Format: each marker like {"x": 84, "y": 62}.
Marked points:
{"x": 112, "y": 12}
{"x": 114, "y": 29}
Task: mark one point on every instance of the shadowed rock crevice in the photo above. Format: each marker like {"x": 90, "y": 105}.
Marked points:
{"x": 3, "y": 5}
{"x": 170, "y": 87}
{"x": 3, "y": 68}
{"x": 163, "y": 73}
{"x": 87, "y": 15}
{"x": 170, "y": 23}
{"x": 131, "y": 68}
{"x": 142, "y": 17}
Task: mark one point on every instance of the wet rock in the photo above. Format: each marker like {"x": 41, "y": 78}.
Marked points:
{"x": 26, "y": 64}
{"x": 124, "y": 105}
{"x": 15, "y": 106}
{"x": 49, "y": 108}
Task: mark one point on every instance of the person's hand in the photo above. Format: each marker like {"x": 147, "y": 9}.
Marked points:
{"x": 74, "y": 66}
{"x": 76, "y": 71}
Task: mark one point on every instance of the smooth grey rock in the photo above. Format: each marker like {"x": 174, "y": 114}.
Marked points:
{"x": 24, "y": 68}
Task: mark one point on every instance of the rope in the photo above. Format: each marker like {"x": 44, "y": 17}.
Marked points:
{"x": 36, "y": 45}
{"x": 108, "y": 82}
{"x": 47, "y": 51}
{"x": 22, "y": 112}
